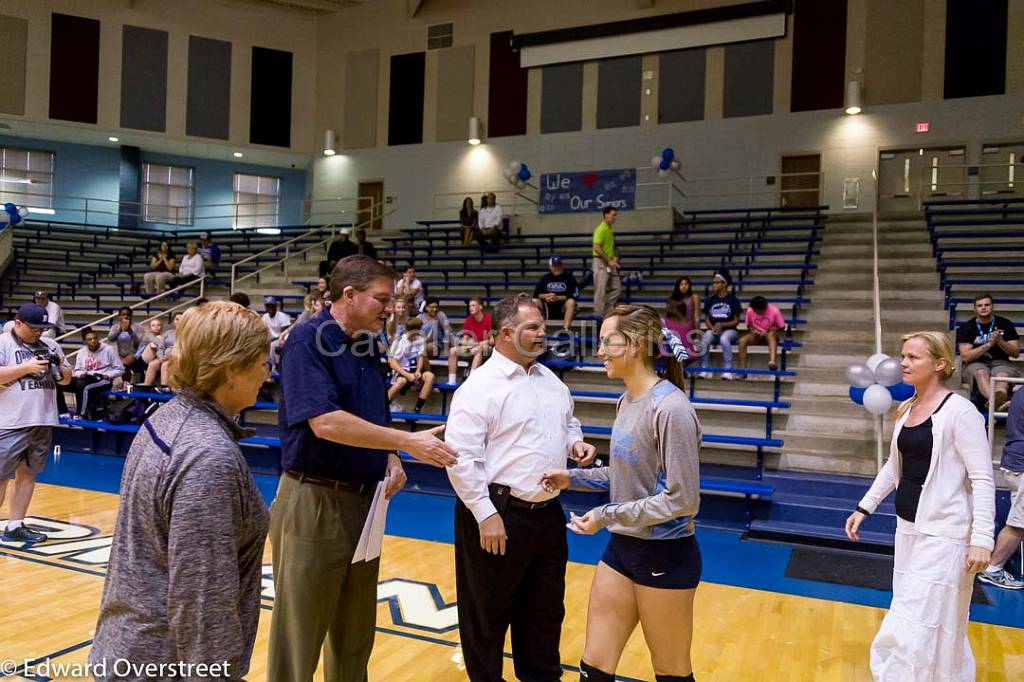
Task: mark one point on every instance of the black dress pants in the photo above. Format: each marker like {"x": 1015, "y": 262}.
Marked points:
{"x": 524, "y": 590}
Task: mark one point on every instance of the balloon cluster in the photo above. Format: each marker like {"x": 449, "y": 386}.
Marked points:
{"x": 14, "y": 214}
{"x": 875, "y": 384}
{"x": 666, "y": 162}
{"x": 518, "y": 174}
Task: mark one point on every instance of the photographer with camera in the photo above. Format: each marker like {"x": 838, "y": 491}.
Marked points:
{"x": 30, "y": 369}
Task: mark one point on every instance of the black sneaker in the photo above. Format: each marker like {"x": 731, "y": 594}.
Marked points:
{"x": 22, "y": 534}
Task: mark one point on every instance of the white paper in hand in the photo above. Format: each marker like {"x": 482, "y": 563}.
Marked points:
{"x": 372, "y": 535}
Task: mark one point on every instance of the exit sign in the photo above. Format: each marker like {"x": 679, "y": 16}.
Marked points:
{"x": 923, "y": 127}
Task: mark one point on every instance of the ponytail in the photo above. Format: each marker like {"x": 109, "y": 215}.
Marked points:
{"x": 673, "y": 368}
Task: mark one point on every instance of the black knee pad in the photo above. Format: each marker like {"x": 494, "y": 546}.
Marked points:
{"x": 589, "y": 673}
{"x": 674, "y": 678}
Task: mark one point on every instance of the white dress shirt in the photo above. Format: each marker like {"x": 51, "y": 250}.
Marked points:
{"x": 509, "y": 426}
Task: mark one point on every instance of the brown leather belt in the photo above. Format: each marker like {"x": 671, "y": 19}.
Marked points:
{"x": 331, "y": 483}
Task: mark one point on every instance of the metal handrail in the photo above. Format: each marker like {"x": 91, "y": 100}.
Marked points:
{"x": 288, "y": 255}
{"x": 287, "y": 247}
{"x": 202, "y": 289}
{"x": 98, "y": 206}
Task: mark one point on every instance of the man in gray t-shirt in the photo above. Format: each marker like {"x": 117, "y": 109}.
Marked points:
{"x": 30, "y": 369}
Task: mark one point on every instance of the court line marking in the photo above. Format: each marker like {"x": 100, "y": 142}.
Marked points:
{"x": 268, "y": 607}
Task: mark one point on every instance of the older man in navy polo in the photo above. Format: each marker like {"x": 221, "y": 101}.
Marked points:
{"x": 336, "y": 445}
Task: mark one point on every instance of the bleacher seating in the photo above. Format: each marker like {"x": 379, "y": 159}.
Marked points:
{"x": 770, "y": 252}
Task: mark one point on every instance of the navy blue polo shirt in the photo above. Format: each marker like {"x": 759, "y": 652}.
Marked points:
{"x": 317, "y": 378}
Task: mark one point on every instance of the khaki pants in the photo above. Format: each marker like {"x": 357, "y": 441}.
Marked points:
{"x": 607, "y": 288}
{"x": 318, "y": 591}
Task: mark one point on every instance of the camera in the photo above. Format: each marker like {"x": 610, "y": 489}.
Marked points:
{"x": 53, "y": 370}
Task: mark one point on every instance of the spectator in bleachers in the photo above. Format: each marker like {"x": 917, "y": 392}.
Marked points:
{"x": 191, "y": 267}
{"x": 764, "y": 322}
{"x": 54, "y": 314}
{"x": 474, "y": 340}
{"x": 436, "y": 327}
{"x": 469, "y": 219}
{"x": 987, "y": 342}
{"x": 411, "y": 288}
{"x": 557, "y": 292}
{"x": 126, "y": 336}
{"x": 155, "y": 353}
{"x": 395, "y": 327}
{"x": 211, "y": 255}
{"x": 312, "y": 304}
{"x": 682, "y": 312}
{"x": 606, "y": 265}
{"x": 97, "y": 368}
{"x": 363, "y": 246}
{"x": 410, "y": 364}
{"x": 721, "y": 315}
{"x": 241, "y": 298}
{"x": 342, "y": 247}
{"x": 490, "y": 218}
{"x": 324, "y": 287}
{"x": 276, "y": 320}
{"x": 161, "y": 269}
{"x": 1012, "y": 534}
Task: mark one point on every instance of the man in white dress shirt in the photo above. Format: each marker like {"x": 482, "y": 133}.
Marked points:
{"x": 510, "y": 422}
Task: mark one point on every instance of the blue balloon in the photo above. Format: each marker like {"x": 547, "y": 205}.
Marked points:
{"x": 524, "y": 173}
{"x": 10, "y": 208}
{"x": 857, "y": 394}
{"x": 667, "y": 154}
{"x": 901, "y": 392}
{"x": 15, "y": 219}
{"x": 665, "y": 165}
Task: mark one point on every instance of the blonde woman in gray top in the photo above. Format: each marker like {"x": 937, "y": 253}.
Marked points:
{"x": 650, "y": 570}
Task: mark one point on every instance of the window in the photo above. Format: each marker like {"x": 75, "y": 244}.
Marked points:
{"x": 26, "y": 177}
{"x": 167, "y": 194}
{"x": 257, "y": 200}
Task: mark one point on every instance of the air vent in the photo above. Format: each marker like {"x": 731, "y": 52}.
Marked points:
{"x": 440, "y": 36}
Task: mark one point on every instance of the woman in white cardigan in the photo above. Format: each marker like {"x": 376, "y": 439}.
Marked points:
{"x": 941, "y": 468}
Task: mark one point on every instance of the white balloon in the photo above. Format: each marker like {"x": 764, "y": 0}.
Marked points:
{"x": 656, "y": 160}
{"x": 889, "y": 372}
{"x": 877, "y": 399}
{"x": 22, "y": 211}
{"x": 521, "y": 184}
{"x": 513, "y": 168}
{"x": 875, "y": 360}
{"x": 676, "y": 165}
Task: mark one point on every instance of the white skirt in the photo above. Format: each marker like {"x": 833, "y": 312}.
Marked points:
{"x": 923, "y": 637}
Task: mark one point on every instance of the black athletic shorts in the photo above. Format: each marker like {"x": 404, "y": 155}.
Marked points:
{"x": 669, "y": 564}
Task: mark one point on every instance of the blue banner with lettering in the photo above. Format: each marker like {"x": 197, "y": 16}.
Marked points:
{"x": 588, "y": 191}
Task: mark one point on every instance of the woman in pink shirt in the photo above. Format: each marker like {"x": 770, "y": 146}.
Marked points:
{"x": 763, "y": 322}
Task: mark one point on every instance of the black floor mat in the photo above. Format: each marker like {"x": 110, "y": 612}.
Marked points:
{"x": 848, "y": 568}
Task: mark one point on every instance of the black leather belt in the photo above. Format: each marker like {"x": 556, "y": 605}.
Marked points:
{"x": 503, "y": 492}
{"x": 331, "y": 483}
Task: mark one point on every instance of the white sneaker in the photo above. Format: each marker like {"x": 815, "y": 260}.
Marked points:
{"x": 396, "y": 406}
{"x": 706, "y": 375}
{"x": 1002, "y": 579}
{"x": 729, "y": 376}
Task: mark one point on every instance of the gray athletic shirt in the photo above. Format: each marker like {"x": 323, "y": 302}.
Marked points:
{"x": 654, "y": 474}
{"x": 185, "y": 569}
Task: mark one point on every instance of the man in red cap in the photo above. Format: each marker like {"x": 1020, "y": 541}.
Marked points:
{"x": 30, "y": 369}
